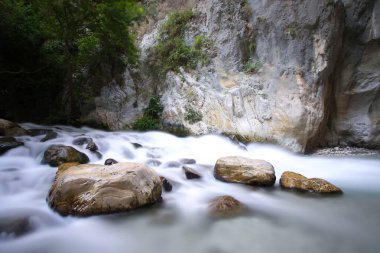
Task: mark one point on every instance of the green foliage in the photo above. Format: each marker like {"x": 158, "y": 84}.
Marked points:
{"x": 252, "y": 65}
{"x": 193, "y": 116}
{"x": 292, "y": 31}
{"x": 151, "y": 119}
{"x": 171, "y": 52}
{"x": 66, "y": 44}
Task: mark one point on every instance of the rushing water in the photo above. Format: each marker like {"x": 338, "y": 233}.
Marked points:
{"x": 278, "y": 221}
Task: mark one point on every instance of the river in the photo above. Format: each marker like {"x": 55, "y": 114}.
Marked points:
{"x": 278, "y": 221}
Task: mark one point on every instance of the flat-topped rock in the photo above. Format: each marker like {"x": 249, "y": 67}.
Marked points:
{"x": 294, "y": 181}
{"x": 237, "y": 169}
{"x": 89, "y": 189}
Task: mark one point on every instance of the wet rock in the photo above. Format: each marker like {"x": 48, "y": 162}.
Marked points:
{"x": 166, "y": 184}
{"x": 153, "y": 162}
{"x": 65, "y": 166}
{"x": 14, "y": 227}
{"x": 37, "y": 132}
{"x": 82, "y": 140}
{"x": 49, "y": 136}
{"x": 8, "y": 128}
{"x": 110, "y": 161}
{"x": 187, "y": 161}
{"x": 236, "y": 169}
{"x": 225, "y": 207}
{"x": 7, "y": 143}
{"x": 92, "y": 146}
{"x": 190, "y": 173}
{"x": 90, "y": 189}
{"x": 136, "y": 145}
{"x": 58, "y": 154}
{"x": 172, "y": 164}
{"x": 294, "y": 181}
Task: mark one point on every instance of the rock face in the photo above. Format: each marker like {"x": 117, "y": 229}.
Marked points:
{"x": 8, "y": 128}
{"x": 99, "y": 189}
{"x": 7, "y": 143}
{"x": 58, "y": 154}
{"x": 293, "y": 181}
{"x": 243, "y": 170}
{"x": 313, "y": 78}
{"x": 226, "y": 206}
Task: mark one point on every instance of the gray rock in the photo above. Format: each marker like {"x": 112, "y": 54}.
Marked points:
{"x": 49, "y": 136}
{"x": 110, "y": 161}
{"x": 99, "y": 189}
{"x": 7, "y": 143}
{"x": 236, "y": 169}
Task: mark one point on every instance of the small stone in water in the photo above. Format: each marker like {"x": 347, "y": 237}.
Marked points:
{"x": 49, "y": 136}
{"x": 110, "y": 161}
{"x": 187, "y": 161}
{"x": 166, "y": 184}
{"x": 190, "y": 173}
{"x": 136, "y": 145}
{"x": 92, "y": 146}
{"x": 153, "y": 162}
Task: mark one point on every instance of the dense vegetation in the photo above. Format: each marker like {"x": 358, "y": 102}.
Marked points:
{"x": 55, "y": 55}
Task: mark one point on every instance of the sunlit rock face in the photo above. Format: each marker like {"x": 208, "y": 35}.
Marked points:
{"x": 313, "y": 76}
{"x": 100, "y": 189}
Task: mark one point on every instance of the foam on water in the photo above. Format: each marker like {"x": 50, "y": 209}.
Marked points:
{"x": 279, "y": 221}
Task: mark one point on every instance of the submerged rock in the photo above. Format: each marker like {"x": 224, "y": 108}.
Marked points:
{"x": 7, "y": 143}
{"x": 236, "y": 169}
{"x": 49, "y": 136}
{"x": 92, "y": 146}
{"x": 9, "y": 128}
{"x": 38, "y": 131}
{"x": 187, "y": 161}
{"x": 90, "y": 189}
{"x": 86, "y": 140}
{"x": 294, "y": 181}
{"x": 58, "y": 154}
{"x": 191, "y": 173}
{"x": 166, "y": 184}
{"x": 110, "y": 161}
{"x": 225, "y": 207}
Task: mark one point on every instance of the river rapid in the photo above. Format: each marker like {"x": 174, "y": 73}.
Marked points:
{"x": 278, "y": 221}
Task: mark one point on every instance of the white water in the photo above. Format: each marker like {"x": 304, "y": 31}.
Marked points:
{"x": 279, "y": 221}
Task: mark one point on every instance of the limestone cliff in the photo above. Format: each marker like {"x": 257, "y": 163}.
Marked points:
{"x": 316, "y": 77}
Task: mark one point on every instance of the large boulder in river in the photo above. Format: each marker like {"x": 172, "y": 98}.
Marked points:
{"x": 8, "y": 128}
{"x": 236, "y": 169}
{"x": 58, "y": 154}
{"x": 7, "y": 143}
{"x": 89, "y": 189}
{"x": 294, "y": 181}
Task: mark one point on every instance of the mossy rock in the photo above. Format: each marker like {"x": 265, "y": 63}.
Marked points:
{"x": 58, "y": 154}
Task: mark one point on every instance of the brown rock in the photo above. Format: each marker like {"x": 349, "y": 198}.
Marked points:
{"x": 236, "y": 169}
{"x": 7, "y": 143}
{"x": 8, "y": 128}
{"x": 90, "y": 189}
{"x": 295, "y": 181}
{"x": 226, "y": 206}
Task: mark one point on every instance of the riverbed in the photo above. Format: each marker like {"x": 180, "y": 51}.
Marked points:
{"x": 277, "y": 221}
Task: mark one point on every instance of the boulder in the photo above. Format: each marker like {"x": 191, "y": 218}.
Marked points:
{"x": 294, "y": 181}
{"x": 7, "y": 143}
{"x": 8, "y": 128}
{"x": 236, "y": 169}
{"x": 58, "y": 154}
{"x": 226, "y": 206}
{"x": 191, "y": 173}
{"x": 90, "y": 189}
